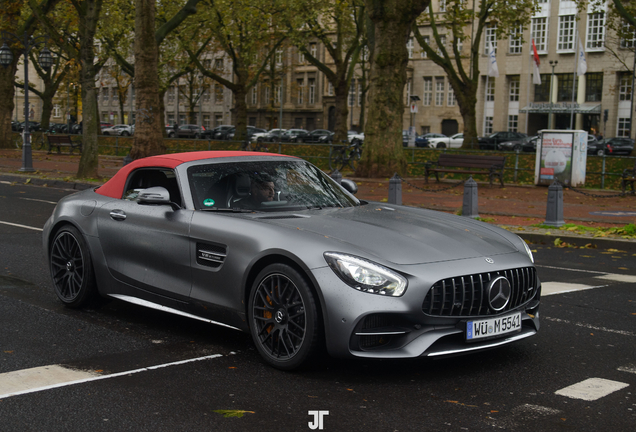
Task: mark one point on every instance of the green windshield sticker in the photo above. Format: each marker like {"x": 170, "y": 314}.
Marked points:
{"x": 208, "y": 202}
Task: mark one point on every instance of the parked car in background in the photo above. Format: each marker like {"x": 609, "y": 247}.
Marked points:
{"x": 327, "y": 138}
{"x": 354, "y": 136}
{"x": 613, "y": 146}
{"x": 120, "y": 130}
{"x": 454, "y": 141}
{"x": 55, "y": 128}
{"x": 251, "y": 130}
{"x": 492, "y": 141}
{"x": 34, "y": 126}
{"x": 104, "y": 125}
{"x": 315, "y": 135}
{"x": 273, "y": 135}
{"x": 295, "y": 135}
{"x": 188, "y": 131}
{"x": 528, "y": 144}
{"x": 221, "y": 132}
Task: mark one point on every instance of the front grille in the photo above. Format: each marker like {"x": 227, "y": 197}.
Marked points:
{"x": 466, "y": 296}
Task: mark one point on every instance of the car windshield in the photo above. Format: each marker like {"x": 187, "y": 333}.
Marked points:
{"x": 288, "y": 185}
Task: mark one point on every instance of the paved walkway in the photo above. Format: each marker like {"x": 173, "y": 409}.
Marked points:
{"x": 514, "y": 206}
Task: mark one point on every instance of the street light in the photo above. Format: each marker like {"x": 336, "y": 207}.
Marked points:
{"x": 550, "y": 121}
{"x": 46, "y": 61}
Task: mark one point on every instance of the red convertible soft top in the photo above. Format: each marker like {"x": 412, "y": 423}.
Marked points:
{"x": 114, "y": 187}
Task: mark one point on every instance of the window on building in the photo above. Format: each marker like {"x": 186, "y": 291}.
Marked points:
{"x": 312, "y": 91}
{"x": 515, "y": 40}
{"x": 57, "y": 111}
{"x": 442, "y": 43}
{"x": 313, "y": 50}
{"x": 460, "y": 45}
{"x": 170, "y": 119}
{"x": 593, "y": 87}
{"x": 300, "y": 88}
{"x": 564, "y": 87}
{"x": 442, "y": 5}
{"x": 514, "y": 88}
{"x": 365, "y": 53}
{"x": 490, "y": 91}
{"x": 115, "y": 94}
{"x": 488, "y": 125}
{"x": 513, "y": 122}
{"x": 407, "y": 96}
{"x": 427, "y": 95}
{"x": 330, "y": 88}
{"x": 251, "y": 121}
{"x": 218, "y": 65}
{"x": 206, "y": 121}
{"x": 627, "y": 35}
{"x": 267, "y": 93}
{"x": 625, "y": 87}
{"x": 439, "y": 91}
{"x": 409, "y": 47}
{"x": 540, "y": 34}
{"x": 254, "y": 94}
{"x": 206, "y": 95}
{"x": 352, "y": 92}
{"x": 624, "y": 127}
{"x": 277, "y": 92}
{"x": 218, "y": 94}
{"x": 301, "y": 56}
{"x": 105, "y": 94}
{"x": 567, "y": 26}
{"x": 423, "y": 53}
{"x": 171, "y": 95}
{"x": 595, "y": 35}
{"x": 279, "y": 56}
{"x": 542, "y": 91}
{"x": 490, "y": 37}
{"x": 360, "y": 93}
{"x": 451, "y": 100}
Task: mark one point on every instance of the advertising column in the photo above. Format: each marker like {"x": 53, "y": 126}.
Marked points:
{"x": 554, "y": 160}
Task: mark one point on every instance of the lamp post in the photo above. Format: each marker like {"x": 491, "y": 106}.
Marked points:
{"x": 46, "y": 61}
{"x": 550, "y": 121}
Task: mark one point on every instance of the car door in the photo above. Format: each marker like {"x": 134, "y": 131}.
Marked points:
{"x": 147, "y": 246}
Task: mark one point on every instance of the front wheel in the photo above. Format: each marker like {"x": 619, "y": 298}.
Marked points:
{"x": 441, "y": 145}
{"x": 283, "y": 317}
{"x": 125, "y": 134}
{"x": 71, "y": 268}
{"x": 336, "y": 160}
{"x": 600, "y": 152}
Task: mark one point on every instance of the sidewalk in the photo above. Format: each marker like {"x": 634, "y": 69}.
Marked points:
{"x": 513, "y": 206}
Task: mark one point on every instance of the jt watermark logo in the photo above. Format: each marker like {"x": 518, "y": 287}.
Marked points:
{"x": 318, "y": 419}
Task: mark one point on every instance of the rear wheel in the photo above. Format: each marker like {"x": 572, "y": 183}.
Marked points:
{"x": 336, "y": 160}
{"x": 71, "y": 268}
{"x": 441, "y": 145}
{"x": 600, "y": 152}
{"x": 283, "y": 317}
{"x": 354, "y": 157}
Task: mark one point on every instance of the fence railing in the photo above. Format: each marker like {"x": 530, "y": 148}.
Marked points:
{"x": 601, "y": 171}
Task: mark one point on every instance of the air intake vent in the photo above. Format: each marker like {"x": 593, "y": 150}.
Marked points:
{"x": 211, "y": 255}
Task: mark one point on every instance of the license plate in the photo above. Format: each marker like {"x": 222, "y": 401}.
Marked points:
{"x": 487, "y": 328}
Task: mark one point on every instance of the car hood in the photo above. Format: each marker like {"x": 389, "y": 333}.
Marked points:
{"x": 401, "y": 235}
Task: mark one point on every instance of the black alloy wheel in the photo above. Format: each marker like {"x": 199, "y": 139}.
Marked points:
{"x": 283, "y": 317}
{"x": 71, "y": 268}
{"x": 441, "y": 145}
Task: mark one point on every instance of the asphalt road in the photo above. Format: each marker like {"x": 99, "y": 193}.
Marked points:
{"x": 138, "y": 369}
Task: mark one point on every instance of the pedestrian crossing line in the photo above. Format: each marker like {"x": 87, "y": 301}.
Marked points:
{"x": 591, "y": 389}
{"x": 551, "y": 288}
{"x": 631, "y": 368}
{"x": 20, "y": 226}
{"x": 55, "y": 376}
{"x": 591, "y": 327}
{"x": 618, "y": 277}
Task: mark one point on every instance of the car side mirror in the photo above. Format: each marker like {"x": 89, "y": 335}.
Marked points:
{"x": 154, "y": 195}
{"x": 349, "y": 185}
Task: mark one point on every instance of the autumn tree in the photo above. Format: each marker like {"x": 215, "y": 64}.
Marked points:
{"x": 18, "y": 19}
{"x": 390, "y": 24}
{"x": 340, "y": 27}
{"x": 247, "y": 32}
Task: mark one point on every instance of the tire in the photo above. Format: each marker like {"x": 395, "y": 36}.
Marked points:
{"x": 171, "y": 135}
{"x": 441, "y": 145}
{"x": 517, "y": 147}
{"x": 354, "y": 158}
{"x": 106, "y": 133}
{"x": 283, "y": 317}
{"x": 600, "y": 152}
{"x": 71, "y": 268}
{"x": 197, "y": 136}
{"x": 336, "y": 161}
{"x": 125, "y": 134}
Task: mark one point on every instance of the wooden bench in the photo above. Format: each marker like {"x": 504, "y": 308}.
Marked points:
{"x": 493, "y": 166}
{"x": 628, "y": 177}
{"x": 60, "y": 141}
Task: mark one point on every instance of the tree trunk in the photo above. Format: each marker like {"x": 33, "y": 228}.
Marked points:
{"x": 148, "y": 125}
{"x": 467, "y": 102}
{"x": 392, "y": 19}
{"x": 47, "y": 109}
{"x": 88, "y": 166}
{"x": 341, "y": 91}
{"x": 240, "y": 112}
{"x": 7, "y": 93}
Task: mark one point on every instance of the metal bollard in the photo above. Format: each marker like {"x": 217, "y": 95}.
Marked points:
{"x": 471, "y": 199}
{"x": 395, "y": 190}
{"x": 337, "y": 176}
{"x": 554, "y": 210}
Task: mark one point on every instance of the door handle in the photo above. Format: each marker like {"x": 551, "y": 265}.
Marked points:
{"x": 118, "y": 215}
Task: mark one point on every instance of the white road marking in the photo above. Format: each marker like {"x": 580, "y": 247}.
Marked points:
{"x": 618, "y": 277}
{"x": 591, "y": 389}
{"x": 629, "y": 368}
{"x": 570, "y": 269}
{"x": 591, "y": 327}
{"x": 39, "y": 200}
{"x": 20, "y": 226}
{"x": 36, "y": 381}
{"x": 550, "y": 288}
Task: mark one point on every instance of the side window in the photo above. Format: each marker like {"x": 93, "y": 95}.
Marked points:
{"x": 151, "y": 177}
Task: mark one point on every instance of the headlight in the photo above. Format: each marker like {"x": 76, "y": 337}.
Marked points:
{"x": 528, "y": 251}
{"x": 365, "y": 275}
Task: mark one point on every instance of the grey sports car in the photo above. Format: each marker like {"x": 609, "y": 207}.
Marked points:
{"x": 271, "y": 245}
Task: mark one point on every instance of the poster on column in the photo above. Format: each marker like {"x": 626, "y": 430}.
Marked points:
{"x": 556, "y": 158}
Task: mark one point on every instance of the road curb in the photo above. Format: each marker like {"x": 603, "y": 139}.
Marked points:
{"x": 39, "y": 181}
{"x": 600, "y": 243}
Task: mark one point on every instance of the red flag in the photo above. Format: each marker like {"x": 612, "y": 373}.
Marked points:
{"x": 536, "y": 76}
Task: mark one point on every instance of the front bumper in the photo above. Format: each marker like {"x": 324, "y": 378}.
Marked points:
{"x": 359, "y": 324}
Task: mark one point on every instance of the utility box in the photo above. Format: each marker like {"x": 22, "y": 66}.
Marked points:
{"x": 562, "y": 156}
